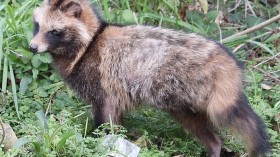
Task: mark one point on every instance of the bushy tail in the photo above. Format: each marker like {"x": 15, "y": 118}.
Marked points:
{"x": 242, "y": 120}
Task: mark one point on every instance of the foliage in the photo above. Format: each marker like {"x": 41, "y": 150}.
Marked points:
{"x": 51, "y": 121}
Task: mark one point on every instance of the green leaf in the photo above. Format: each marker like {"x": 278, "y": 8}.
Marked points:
{"x": 58, "y": 84}
{"x": 65, "y": 136}
{"x": 33, "y": 86}
{"x": 212, "y": 27}
{"x": 20, "y": 142}
{"x": 37, "y": 146}
{"x": 24, "y": 53}
{"x": 2, "y": 7}
{"x": 43, "y": 121}
{"x": 35, "y": 73}
{"x": 195, "y": 17}
{"x": 79, "y": 136}
{"x": 43, "y": 67}
{"x": 45, "y": 58}
{"x": 24, "y": 82}
{"x": 47, "y": 140}
{"x": 128, "y": 16}
{"x": 14, "y": 59}
{"x": 252, "y": 21}
{"x": 211, "y": 15}
{"x": 36, "y": 61}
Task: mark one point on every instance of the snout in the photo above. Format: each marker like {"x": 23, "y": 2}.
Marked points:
{"x": 38, "y": 46}
{"x": 33, "y": 47}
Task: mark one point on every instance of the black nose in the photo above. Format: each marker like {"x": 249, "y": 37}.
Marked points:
{"x": 33, "y": 48}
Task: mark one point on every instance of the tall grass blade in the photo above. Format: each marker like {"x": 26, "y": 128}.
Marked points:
{"x": 173, "y": 7}
{"x": 1, "y": 43}
{"x": 14, "y": 88}
{"x": 5, "y": 75}
{"x": 263, "y": 46}
{"x": 127, "y": 4}
{"x": 106, "y": 10}
{"x": 174, "y": 21}
{"x": 272, "y": 38}
{"x": 11, "y": 20}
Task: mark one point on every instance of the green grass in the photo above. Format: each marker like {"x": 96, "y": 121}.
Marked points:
{"x": 51, "y": 121}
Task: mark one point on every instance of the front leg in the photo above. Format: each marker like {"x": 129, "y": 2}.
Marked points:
{"x": 104, "y": 111}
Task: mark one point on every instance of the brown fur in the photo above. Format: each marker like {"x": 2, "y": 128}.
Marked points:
{"x": 197, "y": 81}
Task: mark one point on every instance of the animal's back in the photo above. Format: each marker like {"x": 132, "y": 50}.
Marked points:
{"x": 166, "y": 68}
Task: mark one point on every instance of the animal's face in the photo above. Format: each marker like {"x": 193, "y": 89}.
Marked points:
{"x": 61, "y": 26}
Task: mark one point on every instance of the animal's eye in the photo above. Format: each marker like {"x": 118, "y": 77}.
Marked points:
{"x": 36, "y": 24}
{"x": 54, "y": 32}
{"x": 36, "y": 28}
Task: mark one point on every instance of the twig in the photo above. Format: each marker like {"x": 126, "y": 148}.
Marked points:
{"x": 250, "y": 7}
{"x": 50, "y": 100}
{"x": 236, "y": 6}
{"x": 272, "y": 72}
{"x": 49, "y": 104}
{"x": 266, "y": 74}
{"x": 271, "y": 58}
{"x": 254, "y": 28}
{"x": 237, "y": 48}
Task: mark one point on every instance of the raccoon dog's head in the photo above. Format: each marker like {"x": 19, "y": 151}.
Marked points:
{"x": 63, "y": 27}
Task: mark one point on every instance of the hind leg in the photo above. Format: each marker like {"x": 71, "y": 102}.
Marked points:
{"x": 198, "y": 125}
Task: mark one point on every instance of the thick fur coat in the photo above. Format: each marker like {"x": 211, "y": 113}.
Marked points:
{"x": 117, "y": 68}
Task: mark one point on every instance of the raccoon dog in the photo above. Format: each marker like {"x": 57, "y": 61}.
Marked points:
{"x": 116, "y": 68}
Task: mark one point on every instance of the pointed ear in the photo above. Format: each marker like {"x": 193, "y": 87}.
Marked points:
{"x": 72, "y": 9}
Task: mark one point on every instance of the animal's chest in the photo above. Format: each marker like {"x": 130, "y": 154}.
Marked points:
{"x": 85, "y": 80}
